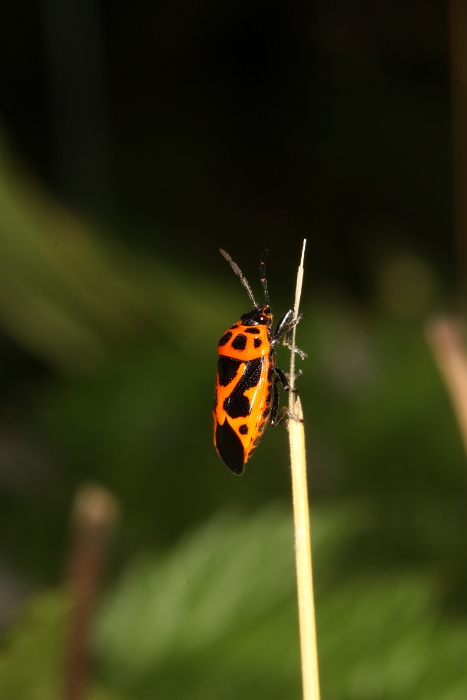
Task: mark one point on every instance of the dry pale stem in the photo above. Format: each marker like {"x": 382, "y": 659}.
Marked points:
{"x": 446, "y": 338}
{"x": 306, "y": 610}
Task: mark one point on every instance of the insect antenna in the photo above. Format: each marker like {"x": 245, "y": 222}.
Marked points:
{"x": 240, "y": 274}
{"x": 262, "y": 268}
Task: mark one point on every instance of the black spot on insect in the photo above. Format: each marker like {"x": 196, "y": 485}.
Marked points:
{"x": 230, "y": 448}
{"x": 243, "y": 429}
{"x": 225, "y": 339}
{"x": 255, "y": 331}
{"x": 237, "y": 405}
{"x": 239, "y": 342}
{"x": 227, "y": 368}
{"x": 234, "y": 326}
{"x": 257, "y": 342}
{"x": 268, "y": 397}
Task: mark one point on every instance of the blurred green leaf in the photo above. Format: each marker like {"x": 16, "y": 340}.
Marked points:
{"x": 31, "y": 657}
{"x": 216, "y": 618}
{"x": 220, "y": 585}
{"x": 384, "y": 637}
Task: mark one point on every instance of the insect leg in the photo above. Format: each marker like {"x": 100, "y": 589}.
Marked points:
{"x": 275, "y": 403}
{"x": 284, "y": 324}
{"x": 284, "y": 328}
{"x": 281, "y": 416}
{"x": 284, "y": 379}
{"x": 287, "y": 344}
{"x": 281, "y": 376}
{"x": 284, "y": 415}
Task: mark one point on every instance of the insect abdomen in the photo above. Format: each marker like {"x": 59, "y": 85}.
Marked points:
{"x": 241, "y": 400}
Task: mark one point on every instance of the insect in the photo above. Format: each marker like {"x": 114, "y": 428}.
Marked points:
{"x": 247, "y": 392}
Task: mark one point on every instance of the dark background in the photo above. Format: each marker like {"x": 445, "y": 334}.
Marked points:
{"x": 245, "y": 123}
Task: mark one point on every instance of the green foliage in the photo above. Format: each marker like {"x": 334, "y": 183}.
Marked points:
{"x": 122, "y": 391}
{"x": 132, "y": 345}
{"x": 31, "y": 655}
{"x": 215, "y": 619}
{"x": 383, "y": 637}
{"x": 200, "y": 620}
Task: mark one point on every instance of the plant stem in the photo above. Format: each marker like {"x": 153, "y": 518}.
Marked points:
{"x": 306, "y": 610}
{"x": 445, "y": 336}
{"x": 94, "y": 517}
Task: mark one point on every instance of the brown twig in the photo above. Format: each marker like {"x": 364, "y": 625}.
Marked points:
{"x": 94, "y": 516}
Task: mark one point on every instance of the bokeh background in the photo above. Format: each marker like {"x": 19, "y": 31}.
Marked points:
{"x": 135, "y": 139}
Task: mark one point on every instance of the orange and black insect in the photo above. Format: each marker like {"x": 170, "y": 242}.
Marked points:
{"x": 247, "y": 393}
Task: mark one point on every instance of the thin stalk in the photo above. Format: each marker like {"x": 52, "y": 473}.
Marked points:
{"x": 446, "y": 338}
{"x": 306, "y": 610}
{"x": 94, "y": 517}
